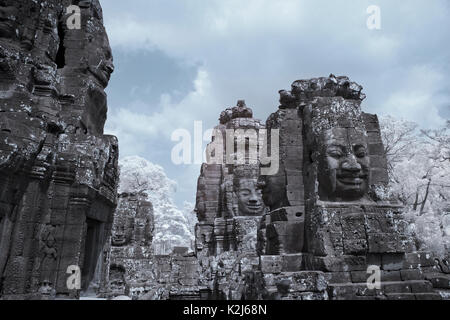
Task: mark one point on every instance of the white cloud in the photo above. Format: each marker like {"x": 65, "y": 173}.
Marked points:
{"x": 418, "y": 96}
{"x": 136, "y": 130}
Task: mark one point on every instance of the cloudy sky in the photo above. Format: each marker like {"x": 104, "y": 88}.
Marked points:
{"x": 186, "y": 60}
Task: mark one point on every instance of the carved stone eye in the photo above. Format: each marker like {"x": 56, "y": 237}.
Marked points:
{"x": 335, "y": 153}
{"x": 245, "y": 193}
{"x": 360, "y": 152}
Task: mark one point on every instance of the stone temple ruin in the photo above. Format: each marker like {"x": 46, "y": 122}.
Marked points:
{"x": 229, "y": 208}
{"x": 327, "y": 221}
{"x": 58, "y": 171}
{"x": 129, "y": 252}
{"x": 330, "y": 220}
{"x": 315, "y": 230}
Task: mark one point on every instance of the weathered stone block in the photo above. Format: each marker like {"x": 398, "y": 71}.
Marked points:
{"x": 340, "y": 264}
{"x": 383, "y": 243}
{"x": 303, "y": 281}
{"x": 428, "y": 296}
{"x": 396, "y": 287}
{"x": 392, "y": 261}
{"x": 271, "y": 264}
{"x": 439, "y": 280}
{"x": 418, "y": 259}
{"x": 338, "y": 277}
{"x": 418, "y": 286}
{"x": 413, "y": 274}
{"x": 401, "y": 296}
{"x": 293, "y": 262}
{"x": 350, "y": 291}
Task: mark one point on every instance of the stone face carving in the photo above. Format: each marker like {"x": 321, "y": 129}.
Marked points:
{"x": 273, "y": 190}
{"x": 227, "y": 190}
{"x": 241, "y": 194}
{"x": 229, "y": 208}
{"x": 131, "y": 259}
{"x": 330, "y": 222}
{"x": 117, "y": 283}
{"x": 58, "y": 172}
{"x": 249, "y": 197}
{"x": 122, "y": 231}
{"x": 338, "y": 143}
{"x": 343, "y": 164}
{"x": 46, "y": 291}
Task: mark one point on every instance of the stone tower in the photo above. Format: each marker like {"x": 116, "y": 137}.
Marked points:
{"x": 229, "y": 204}
{"x": 331, "y": 224}
{"x": 130, "y": 261}
{"x": 58, "y": 172}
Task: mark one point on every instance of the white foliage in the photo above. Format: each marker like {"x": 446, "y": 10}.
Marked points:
{"x": 173, "y": 227}
{"x": 419, "y": 171}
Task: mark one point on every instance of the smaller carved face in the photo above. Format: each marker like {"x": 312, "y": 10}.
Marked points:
{"x": 142, "y": 231}
{"x": 121, "y": 232}
{"x": 46, "y": 287}
{"x": 344, "y": 165}
{"x": 117, "y": 280}
{"x": 249, "y": 198}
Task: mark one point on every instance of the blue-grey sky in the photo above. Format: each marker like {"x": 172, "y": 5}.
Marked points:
{"x": 185, "y": 60}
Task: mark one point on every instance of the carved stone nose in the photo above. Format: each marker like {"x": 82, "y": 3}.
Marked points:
{"x": 350, "y": 164}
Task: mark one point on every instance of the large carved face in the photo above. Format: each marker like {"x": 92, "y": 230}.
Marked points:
{"x": 121, "y": 232}
{"x": 101, "y": 62}
{"x": 344, "y": 165}
{"x": 273, "y": 191}
{"x": 249, "y": 198}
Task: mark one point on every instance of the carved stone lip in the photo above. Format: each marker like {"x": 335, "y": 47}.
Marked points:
{"x": 349, "y": 180}
{"x": 119, "y": 239}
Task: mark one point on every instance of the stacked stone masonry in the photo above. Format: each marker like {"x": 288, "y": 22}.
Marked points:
{"x": 58, "y": 172}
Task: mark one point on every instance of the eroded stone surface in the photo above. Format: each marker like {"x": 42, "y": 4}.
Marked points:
{"x": 58, "y": 171}
{"x": 130, "y": 254}
{"x": 229, "y": 208}
{"x": 327, "y": 205}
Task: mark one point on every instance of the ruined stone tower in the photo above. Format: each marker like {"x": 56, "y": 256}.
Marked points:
{"x": 229, "y": 205}
{"x": 331, "y": 224}
{"x": 58, "y": 172}
{"x": 130, "y": 256}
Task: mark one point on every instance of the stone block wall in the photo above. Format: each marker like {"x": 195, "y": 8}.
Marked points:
{"x": 58, "y": 172}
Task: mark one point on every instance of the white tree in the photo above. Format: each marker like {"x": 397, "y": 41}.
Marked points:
{"x": 398, "y": 137}
{"x": 172, "y": 225}
{"x": 191, "y": 217}
{"x": 419, "y": 171}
